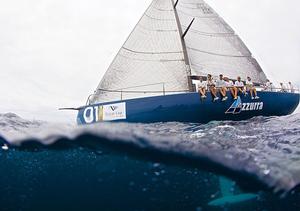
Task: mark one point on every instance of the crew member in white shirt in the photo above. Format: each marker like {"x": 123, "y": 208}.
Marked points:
{"x": 221, "y": 86}
{"x": 273, "y": 88}
{"x": 211, "y": 86}
{"x": 291, "y": 87}
{"x": 268, "y": 86}
{"x": 251, "y": 88}
{"x": 283, "y": 87}
{"x": 231, "y": 87}
{"x": 240, "y": 85}
{"x": 202, "y": 86}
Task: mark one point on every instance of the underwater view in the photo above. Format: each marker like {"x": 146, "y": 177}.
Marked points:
{"x": 187, "y": 105}
{"x": 246, "y": 165}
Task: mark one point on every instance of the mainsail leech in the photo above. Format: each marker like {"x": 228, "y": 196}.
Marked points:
{"x": 155, "y": 53}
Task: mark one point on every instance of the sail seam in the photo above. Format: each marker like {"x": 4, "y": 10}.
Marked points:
{"x": 158, "y": 30}
{"x": 164, "y": 10}
{"x": 152, "y": 60}
{"x": 197, "y": 16}
{"x": 159, "y": 19}
{"x": 143, "y": 52}
{"x": 217, "y": 54}
{"x": 230, "y": 34}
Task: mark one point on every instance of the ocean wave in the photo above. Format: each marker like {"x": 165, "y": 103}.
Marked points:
{"x": 266, "y": 150}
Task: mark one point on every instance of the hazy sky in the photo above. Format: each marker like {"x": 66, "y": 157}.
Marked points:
{"x": 53, "y": 53}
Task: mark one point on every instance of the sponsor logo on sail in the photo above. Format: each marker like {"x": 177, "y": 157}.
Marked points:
{"x": 238, "y": 106}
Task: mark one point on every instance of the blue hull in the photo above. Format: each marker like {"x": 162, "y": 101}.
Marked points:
{"x": 189, "y": 107}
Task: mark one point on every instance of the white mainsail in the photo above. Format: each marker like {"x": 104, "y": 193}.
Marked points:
{"x": 212, "y": 45}
{"x": 153, "y": 54}
{"x": 156, "y": 60}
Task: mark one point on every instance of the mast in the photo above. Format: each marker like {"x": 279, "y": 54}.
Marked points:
{"x": 186, "y": 57}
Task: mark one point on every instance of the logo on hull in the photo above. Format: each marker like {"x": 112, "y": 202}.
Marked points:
{"x": 238, "y": 106}
{"x": 105, "y": 113}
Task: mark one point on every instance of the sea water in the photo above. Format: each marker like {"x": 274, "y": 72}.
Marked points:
{"x": 246, "y": 165}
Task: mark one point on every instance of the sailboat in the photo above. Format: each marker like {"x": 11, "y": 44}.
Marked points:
{"x": 151, "y": 78}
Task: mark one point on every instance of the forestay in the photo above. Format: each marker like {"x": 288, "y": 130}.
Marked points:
{"x": 152, "y": 54}
{"x": 212, "y": 45}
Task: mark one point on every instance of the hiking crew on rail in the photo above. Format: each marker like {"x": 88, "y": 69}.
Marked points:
{"x": 224, "y": 84}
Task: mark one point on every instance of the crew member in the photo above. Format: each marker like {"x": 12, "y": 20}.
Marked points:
{"x": 202, "y": 85}
{"x": 283, "y": 87}
{"x": 268, "y": 86}
{"x": 240, "y": 86}
{"x": 273, "y": 88}
{"x": 221, "y": 86}
{"x": 211, "y": 86}
{"x": 251, "y": 88}
{"x": 291, "y": 87}
{"x": 231, "y": 87}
